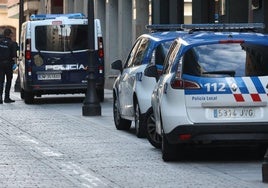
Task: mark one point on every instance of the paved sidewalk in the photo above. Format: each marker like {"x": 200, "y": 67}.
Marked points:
{"x": 50, "y": 144}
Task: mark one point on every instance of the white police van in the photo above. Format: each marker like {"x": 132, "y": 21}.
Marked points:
{"x": 53, "y": 56}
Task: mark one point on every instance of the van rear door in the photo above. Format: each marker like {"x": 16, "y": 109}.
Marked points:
{"x": 60, "y": 54}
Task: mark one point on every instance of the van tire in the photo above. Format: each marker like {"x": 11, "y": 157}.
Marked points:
{"x": 22, "y": 94}
{"x": 28, "y": 97}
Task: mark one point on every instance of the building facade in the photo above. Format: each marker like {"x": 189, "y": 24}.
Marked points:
{"x": 6, "y": 21}
{"x": 124, "y": 20}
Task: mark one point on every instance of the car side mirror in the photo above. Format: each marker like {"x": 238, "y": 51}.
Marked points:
{"x": 151, "y": 71}
{"x": 117, "y": 65}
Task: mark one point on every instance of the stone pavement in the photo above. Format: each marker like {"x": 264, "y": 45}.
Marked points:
{"x": 50, "y": 144}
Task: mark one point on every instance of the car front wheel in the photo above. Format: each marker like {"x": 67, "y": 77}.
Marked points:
{"x": 120, "y": 123}
{"x": 139, "y": 127}
{"x": 28, "y": 97}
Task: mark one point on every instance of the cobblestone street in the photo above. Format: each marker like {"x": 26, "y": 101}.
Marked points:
{"x": 50, "y": 144}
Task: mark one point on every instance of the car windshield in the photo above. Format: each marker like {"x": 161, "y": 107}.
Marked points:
{"x": 233, "y": 59}
{"x": 61, "y": 38}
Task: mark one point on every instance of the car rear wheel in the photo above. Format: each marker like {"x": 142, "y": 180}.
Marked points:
{"x": 171, "y": 152}
{"x": 150, "y": 129}
{"x": 139, "y": 127}
{"x": 120, "y": 123}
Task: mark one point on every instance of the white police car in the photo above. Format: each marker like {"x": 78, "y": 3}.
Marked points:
{"x": 213, "y": 88}
{"x": 132, "y": 90}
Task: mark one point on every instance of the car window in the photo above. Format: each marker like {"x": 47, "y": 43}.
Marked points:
{"x": 138, "y": 53}
{"x": 231, "y": 59}
{"x": 256, "y": 60}
{"x": 190, "y": 63}
{"x": 141, "y": 52}
{"x": 129, "y": 62}
{"x": 160, "y": 53}
{"x": 172, "y": 56}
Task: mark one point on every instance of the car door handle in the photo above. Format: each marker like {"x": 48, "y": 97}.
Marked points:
{"x": 165, "y": 88}
{"x": 139, "y": 76}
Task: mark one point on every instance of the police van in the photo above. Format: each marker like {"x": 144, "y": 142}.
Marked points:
{"x": 53, "y": 56}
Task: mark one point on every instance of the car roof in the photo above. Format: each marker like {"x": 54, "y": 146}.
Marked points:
{"x": 200, "y": 38}
{"x": 204, "y": 38}
{"x": 164, "y": 35}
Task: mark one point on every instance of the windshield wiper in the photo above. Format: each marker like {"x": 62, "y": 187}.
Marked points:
{"x": 39, "y": 53}
{"x": 223, "y": 72}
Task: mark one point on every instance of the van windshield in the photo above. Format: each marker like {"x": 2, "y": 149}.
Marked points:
{"x": 61, "y": 38}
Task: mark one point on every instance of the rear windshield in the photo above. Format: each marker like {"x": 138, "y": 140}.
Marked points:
{"x": 61, "y": 38}
{"x": 231, "y": 59}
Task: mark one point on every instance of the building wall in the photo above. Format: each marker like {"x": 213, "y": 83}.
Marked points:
{"x": 123, "y": 21}
{"x": 11, "y": 23}
{"x": 261, "y": 14}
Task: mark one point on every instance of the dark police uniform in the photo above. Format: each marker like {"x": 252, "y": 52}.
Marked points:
{"x": 8, "y": 53}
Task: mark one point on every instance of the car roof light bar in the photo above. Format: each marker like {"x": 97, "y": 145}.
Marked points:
{"x": 164, "y": 27}
{"x": 35, "y": 17}
{"x": 206, "y": 27}
{"x": 233, "y": 26}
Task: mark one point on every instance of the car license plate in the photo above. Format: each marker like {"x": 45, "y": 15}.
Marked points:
{"x": 234, "y": 113}
{"x": 54, "y": 76}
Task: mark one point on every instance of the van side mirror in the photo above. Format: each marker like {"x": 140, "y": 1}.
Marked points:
{"x": 117, "y": 65}
{"x": 151, "y": 71}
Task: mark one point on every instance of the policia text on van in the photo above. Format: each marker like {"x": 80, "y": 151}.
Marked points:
{"x": 53, "y": 56}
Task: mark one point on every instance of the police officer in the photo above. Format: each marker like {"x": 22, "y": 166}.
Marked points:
{"x": 8, "y": 54}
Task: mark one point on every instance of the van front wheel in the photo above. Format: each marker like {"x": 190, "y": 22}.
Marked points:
{"x": 22, "y": 94}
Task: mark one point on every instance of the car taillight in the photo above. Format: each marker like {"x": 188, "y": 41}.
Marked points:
{"x": 185, "y": 136}
{"x": 101, "y": 68}
{"x": 28, "y": 50}
{"x": 100, "y": 47}
{"x": 29, "y": 70}
{"x": 178, "y": 83}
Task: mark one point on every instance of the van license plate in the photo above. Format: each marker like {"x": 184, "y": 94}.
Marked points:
{"x": 49, "y": 76}
{"x": 234, "y": 113}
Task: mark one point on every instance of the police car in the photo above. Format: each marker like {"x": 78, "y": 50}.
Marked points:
{"x": 132, "y": 90}
{"x": 53, "y": 56}
{"x": 213, "y": 88}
